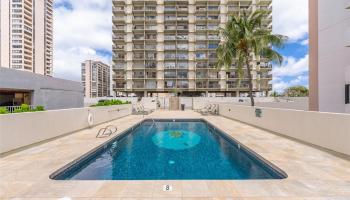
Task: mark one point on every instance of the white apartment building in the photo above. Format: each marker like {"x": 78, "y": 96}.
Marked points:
{"x": 165, "y": 46}
{"x": 95, "y": 78}
{"x": 330, "y": 56}
{"x": 26, "y": 35}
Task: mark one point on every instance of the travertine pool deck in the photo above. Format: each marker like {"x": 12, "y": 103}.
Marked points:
{"x": 313, "y": 174}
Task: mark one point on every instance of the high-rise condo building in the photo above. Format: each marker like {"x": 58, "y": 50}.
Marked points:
{"x": 329, "y": 67}
{"x": 26, "y": 35}
{"x": 163, "y": 46}
{"x": 95, "y": 78}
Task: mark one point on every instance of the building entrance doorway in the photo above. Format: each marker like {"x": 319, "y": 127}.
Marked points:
{"x": 14, "y": 98}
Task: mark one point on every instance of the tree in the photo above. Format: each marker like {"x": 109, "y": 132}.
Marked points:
{"x": 274, "y": 94}
{"x": 244, "y": 37}
{"x": 296, "y": 91}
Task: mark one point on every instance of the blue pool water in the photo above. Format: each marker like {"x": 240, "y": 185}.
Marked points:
{"x": 167, "y": 150}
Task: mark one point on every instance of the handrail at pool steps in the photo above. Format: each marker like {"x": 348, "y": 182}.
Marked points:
{"x": 106, "y": 131}
{"x": 117, "y": 110}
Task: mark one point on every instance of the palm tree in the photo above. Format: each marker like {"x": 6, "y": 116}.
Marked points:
{"x": 243, "y": 37}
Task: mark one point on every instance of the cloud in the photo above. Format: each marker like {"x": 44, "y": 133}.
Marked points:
{"x": 290, "y": 18}
{"x": 279, "y": 85}
{"x": 305, "y": 42}
{"x": 82, "y": 29}
{"x": 68, "y": 61}
{"x": 292, "y": 67}
{"x": 293, "y": 72}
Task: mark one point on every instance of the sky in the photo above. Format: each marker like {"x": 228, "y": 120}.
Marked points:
{"x": 83, "y": 30}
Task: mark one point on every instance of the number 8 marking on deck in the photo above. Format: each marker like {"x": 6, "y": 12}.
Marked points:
{"x": 167, "y": 188}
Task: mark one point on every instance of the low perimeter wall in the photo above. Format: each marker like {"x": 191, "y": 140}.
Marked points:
{"x": 23, "y": 129}
{"x": 327, "y": 130}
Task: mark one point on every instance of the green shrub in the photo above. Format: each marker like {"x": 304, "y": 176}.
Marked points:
{"x": 40, "y": 108}
{"x": 3, "y": 110}
{"x": 26, "y": 108}
{"x": 110, "y": 102}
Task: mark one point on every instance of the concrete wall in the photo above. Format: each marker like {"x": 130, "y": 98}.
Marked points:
{"x": 23, "y": 129}
{"x": 327, "y": 130}
{"x": 287, "y": 103}
{"x": 329, "y": 55}
{"x": 299, "y": 103}
{"x": 52, "y": 93}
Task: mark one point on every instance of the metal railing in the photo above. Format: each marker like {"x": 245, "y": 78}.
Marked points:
{"x": 12, "y": 109}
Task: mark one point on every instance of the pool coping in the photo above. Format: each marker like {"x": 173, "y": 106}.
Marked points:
{"x": 90, "y": 154}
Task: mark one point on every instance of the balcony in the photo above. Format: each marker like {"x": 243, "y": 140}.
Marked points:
{"x": 119, "y": 66}
{"x": 201, "y": 85}
{"x": 182, "y": 37}
{"x": 169, "y": 74}
{"x": 182, "y": 84}
{"x": 119, "y": 57}
{"x": 264, "y": 2}
{"x": 138, "y": 57}
{"x": 139, "y": 18}
{"x": 170, "y": 8}
{"x": 152, "y": 75}
{"x": 139, "y": 47}
{"x": 151, "y": 28}
{"x": 150, "y": 65}
{"x": 140, "y": 76}
{"x": 151, "y": 37}
{"x": 139, "y": 28}
{"x": 150, "y": 47}
{"x": 118, "y": 37}
{"x": 167, "y": 27}
{"x": 119, "y": 86}
{"x": 119, "y": 18}
{"x": 139, "y": 85}
{"x": 266, "y": 76}
{"x": 213, "y": 37}
{"x": 119, "y": 28}
{"x": 138, "y": 37}
{"x": 169, "y": 47}
{"x": 169, "y": 37}
{"x": 118, "y": 9}
{"x": 213, "y": 9}
{"x": 201, "y": 75}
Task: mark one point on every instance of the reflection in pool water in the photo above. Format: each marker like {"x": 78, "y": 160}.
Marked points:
{"x": 176, "y": 140}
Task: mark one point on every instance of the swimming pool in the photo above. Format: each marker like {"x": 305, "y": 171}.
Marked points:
{"x": 181, "y": 149}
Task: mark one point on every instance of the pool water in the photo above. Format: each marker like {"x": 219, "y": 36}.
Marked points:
{"x": 168, "y": 150}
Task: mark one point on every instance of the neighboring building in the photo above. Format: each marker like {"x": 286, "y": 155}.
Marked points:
{"x": 329, "y": 55}
{"x": 18, "y": 87}
{"x": 95, "y": 76}
{"x": 26, "y": 35}
{"x": 163, "y": 46}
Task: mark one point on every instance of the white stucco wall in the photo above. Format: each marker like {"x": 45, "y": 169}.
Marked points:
{"x": 333, "y": 54}
{"x": 327, "y": 130}
{"x": 23, "y": 129}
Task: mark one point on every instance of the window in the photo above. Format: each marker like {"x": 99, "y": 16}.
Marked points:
{"x": 347, "y": 94}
